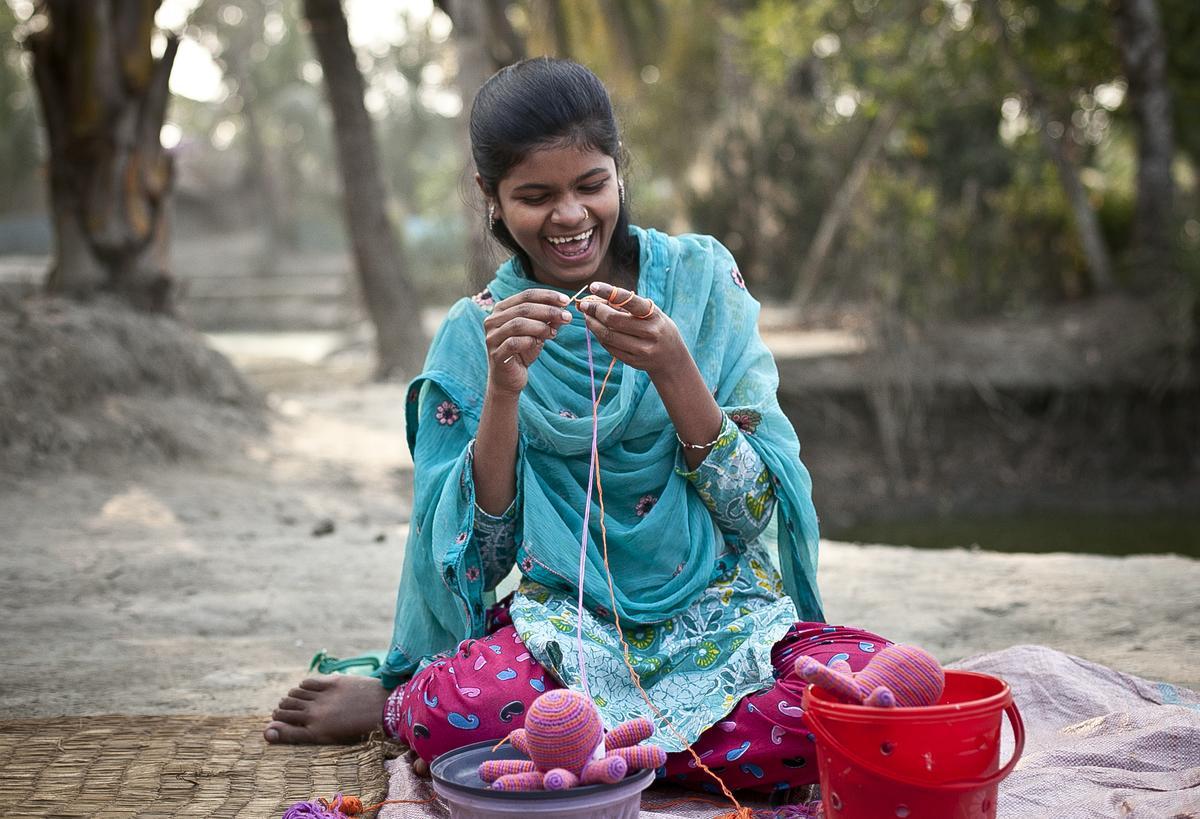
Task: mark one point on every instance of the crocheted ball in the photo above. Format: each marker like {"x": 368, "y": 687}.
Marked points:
{"x": 563, "y": 728}
{"x": 912, "y": 675}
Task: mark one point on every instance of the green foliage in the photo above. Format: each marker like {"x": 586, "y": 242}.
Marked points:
{"x": 963, "y": 211}
{"x": 1181, "y": 24}
{"x": 742, "y": 118}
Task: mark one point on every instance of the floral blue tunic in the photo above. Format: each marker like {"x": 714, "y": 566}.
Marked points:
{"x": 695, "y": 666}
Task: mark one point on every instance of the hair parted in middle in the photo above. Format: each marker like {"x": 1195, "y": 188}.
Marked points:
{"x": 537, "y": 103}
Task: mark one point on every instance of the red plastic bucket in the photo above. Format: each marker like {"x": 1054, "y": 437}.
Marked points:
{"x": 937, "y": 762}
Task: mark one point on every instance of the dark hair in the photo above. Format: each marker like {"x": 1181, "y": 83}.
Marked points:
{"x": 536, "y": 103}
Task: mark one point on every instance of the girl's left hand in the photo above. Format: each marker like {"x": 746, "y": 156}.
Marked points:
{"x": 633, "y": 329}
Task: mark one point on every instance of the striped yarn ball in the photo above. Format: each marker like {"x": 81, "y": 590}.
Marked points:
{"x": 912, "y": 675}
{"x": 562, "y": 729}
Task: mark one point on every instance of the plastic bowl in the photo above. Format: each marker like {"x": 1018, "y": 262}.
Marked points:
{"x": 456, "y": 780}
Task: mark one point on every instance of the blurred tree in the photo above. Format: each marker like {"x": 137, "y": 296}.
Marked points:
{"x": 484, "y": 42}
{"x": 390, "y": 299}
{"x": 1181, "y": 26}
{"x": 104, "y": 96}
{"x": 1087, "y": 224}
{"x": 838, "y": 210}
{"x": 19, "y": 159}
{"x": 1144, "y": 56}
{"x": 240, "y": 32}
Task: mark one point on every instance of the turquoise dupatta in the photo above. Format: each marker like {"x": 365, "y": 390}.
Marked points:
{"x": 662, "y": 539}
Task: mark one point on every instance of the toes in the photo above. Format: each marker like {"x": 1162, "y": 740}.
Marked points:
{"x": 284, "y": 734}
{"x": 317, "y": 683}
{"x": 302, "y": 694}
{"x": 293, "y": 704}
{"x": 290, "y": 717}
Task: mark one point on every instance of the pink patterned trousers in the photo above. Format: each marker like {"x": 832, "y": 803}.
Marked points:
{"x": 483, "y": 689}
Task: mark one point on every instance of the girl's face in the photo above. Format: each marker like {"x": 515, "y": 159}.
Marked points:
{"x": 560, "y": 204}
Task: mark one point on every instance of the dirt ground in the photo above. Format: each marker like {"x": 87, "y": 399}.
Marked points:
{"x": 207, "y": 587}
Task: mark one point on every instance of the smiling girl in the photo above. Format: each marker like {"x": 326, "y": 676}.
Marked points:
{"x": 696, "y": 458}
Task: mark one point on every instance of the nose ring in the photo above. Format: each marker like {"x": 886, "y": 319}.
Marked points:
{"x": 586, "y": 215}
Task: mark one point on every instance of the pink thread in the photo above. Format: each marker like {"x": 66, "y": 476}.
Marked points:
{"x": 587, "y": 513}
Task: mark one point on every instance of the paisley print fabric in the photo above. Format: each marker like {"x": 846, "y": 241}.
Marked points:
{"x": 695, "y": 666}
{"x": 482, "y": 691}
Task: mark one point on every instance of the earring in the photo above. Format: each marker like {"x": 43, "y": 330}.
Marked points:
{"x": 491, "y": 216}
{"x": 621, "y": 190}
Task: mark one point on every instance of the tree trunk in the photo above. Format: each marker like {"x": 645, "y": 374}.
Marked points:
{"x": 1095, "y": 251}
{"x": 471, "y": 22}
{"x": 391, "y": 301}
{"x": 103, "y": 97}
{"x": 1144, "y": 56}
{"x": 1086, "y": 222}
{"x": 506, "y": 45}
{"x": 264, "y": 179}
{"x": 835, "y": 215}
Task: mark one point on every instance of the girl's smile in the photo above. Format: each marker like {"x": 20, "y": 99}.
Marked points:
{"x": 561, "y": 206}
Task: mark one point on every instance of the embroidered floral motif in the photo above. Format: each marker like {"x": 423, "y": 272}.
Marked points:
{"x": 726, "y": 655}
{"x": 737, "y": 278}
{"x": 707, "y": 653}
{"x": 647, "y": 665}
{"x": 484, "y": 299}
{"x": 747, "y": 420}
{"x": 472, "y": 573}
{"x": 566, "y": 413}
{"x": 758, "y": 501}
{"x": 447, "y": 413}
{"x": 461, "y": 538}
{"x": 526, "y": 563}
{"x": 643, "y": 637}
{"x": 645, "y": 504}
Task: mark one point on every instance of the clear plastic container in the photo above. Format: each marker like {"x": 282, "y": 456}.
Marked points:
{"x": 456, "y": 780}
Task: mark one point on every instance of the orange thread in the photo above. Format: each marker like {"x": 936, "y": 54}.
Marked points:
{"x": 353, "y": 806}
{"x": 649, "y": 312}
{"x": 622, "y": 304}
{"x": 740, "y": 811}
{"x": 379, "y": 805}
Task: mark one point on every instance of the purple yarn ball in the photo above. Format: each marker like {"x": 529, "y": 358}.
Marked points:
{"x": 310, "y": 810}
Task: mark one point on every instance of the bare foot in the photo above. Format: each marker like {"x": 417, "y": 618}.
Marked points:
{"x": 328, "y": 709}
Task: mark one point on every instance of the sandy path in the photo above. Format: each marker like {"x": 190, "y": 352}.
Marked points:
{"x": 202, "y": 588}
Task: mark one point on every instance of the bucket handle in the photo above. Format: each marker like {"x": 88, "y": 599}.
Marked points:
{"x": 975, "y": 783}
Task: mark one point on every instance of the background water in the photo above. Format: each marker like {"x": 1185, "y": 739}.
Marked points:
{"x": 1150, "y": 533}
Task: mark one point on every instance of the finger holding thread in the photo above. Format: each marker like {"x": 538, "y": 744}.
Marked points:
{"x": 625, "y": 300}
{"x": 521, "y": 349}
{"x": 619, "y": 320}
{"x": 515, "y": 332}
{"x": 653, "y": 345}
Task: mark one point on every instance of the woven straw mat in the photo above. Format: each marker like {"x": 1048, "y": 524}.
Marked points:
{"x": 125, "y": 766}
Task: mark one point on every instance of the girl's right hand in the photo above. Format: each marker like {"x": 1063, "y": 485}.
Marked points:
{"x": 516, "y": 331}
